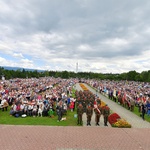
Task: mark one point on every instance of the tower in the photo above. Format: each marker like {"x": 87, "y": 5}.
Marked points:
{"x": 77, "y": 67}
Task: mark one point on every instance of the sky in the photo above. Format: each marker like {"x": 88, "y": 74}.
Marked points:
{"x": 111, "y": 36}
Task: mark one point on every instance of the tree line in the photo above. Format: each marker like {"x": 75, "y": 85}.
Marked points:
{"x": 22, "y": 73}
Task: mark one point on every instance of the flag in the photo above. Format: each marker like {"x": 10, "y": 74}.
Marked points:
{"x": 114, "y": 93}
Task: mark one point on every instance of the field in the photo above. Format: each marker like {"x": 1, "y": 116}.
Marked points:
{"x": 5, "y": 118}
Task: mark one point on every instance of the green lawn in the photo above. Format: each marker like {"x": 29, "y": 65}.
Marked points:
{"x": 5, "y": 118}
{"x": 147, "y": 118}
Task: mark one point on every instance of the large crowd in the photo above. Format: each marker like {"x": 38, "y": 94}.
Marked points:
{"x": 126, "y": 93}
{"x": 44, "y": 96}
{"x": 37, "y": 97}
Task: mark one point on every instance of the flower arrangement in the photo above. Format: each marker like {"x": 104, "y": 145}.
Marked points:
{"x": 86, "y": 89}
{"x": 103, "y": 103}
{"x": 83, "y": 87}
{"x": 116, "y": 121}
{"x": 121, "y": 123}
{"x": 113, "y": 118}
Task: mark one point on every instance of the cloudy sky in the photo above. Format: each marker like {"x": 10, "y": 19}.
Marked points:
{"x": 111, "y": 36}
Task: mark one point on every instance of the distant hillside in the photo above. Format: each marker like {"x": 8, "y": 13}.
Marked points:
{"x": 19, "y": 68}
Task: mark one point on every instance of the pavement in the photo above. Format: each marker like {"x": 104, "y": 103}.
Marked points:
{"x": 17, "y": 137}
{"x": 72, "y": 138}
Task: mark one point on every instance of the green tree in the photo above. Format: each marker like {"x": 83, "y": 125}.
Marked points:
{"x": 145, "y": 76}
{"x": 131, "y": 75}
{"x": 65, "y": 74}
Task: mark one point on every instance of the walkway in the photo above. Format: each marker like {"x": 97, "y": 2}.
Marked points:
{"x": 72, "y": 138}
{"x": 133, "y": 119}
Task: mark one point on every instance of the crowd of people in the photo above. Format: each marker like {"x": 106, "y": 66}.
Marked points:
{"x": 37, "y": 97}
{"x": 127, "y": 93}
{"x": 46, "y": 96}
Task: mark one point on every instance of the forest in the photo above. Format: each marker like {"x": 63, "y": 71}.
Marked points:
{"x": 22, "y": 73}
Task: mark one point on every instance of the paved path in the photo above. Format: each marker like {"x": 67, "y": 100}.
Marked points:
{"x": 133, "y": 119}
{"x": 72, "y": 138}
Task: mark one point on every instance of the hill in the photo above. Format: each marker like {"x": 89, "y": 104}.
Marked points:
{"x": 19, "y": 68}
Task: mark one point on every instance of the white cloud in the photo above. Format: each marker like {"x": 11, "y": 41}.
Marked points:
{"x": 85, "y": 47}
{"x": 26, "y": 61}
{"x": 5, "y": 62}
{"x": 102, "y": 36}
{"x": 2, "y": 60}
{"x": 116, "y": 42}
{"x": 18, "y": 55}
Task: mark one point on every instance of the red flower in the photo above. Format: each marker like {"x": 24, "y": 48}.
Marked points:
{"x": 113, "y": 118}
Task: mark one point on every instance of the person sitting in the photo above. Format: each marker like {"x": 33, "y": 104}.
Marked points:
{"x": 25, "y": 110}
{"x": 13, "y": 109}
{"x": 30, "y": 108}
{"x": 12, "y": 112}
{"x": 46, "y": 109}
{"x": 34, "y": 111}
{"x": 21, "y": 108}
{"x": 51, "y": 112}
{"x": 18, "y": 110}
{"x": 4, "y": 104}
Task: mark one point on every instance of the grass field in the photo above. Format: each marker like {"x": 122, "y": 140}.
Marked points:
{"x": 5, "y": 118}
{"x": 147, "y": 118}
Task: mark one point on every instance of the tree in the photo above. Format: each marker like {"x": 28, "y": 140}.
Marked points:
{"x": 145, "y": 76}
{"x": 131, "y": 75}
{"x": 65, "y": 75}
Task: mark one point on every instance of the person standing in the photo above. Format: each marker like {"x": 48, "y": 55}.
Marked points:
{"x": 132, "y": 104}
{"x": 59, "y": 110}
{"x": 89, "y": 113}
{"x": 68, "y": 101}
{"x": 143, "y": 111}
{"x": 80, "y": 113}
{"x": 98, "y": 101}
{"x": 71, "y": 106}
{"x": 84, "y": 104}
{"x": 97, "y": 111}
{"x": 106, "y": 113}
